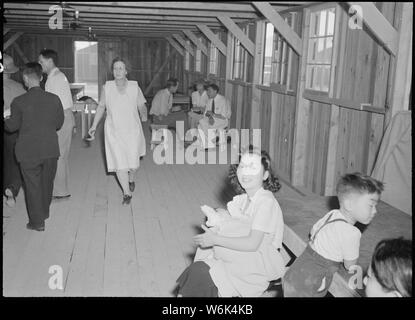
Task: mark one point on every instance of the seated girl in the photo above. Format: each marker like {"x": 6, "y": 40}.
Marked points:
{"x": 390, "y": 272}
{"x": 239, "y": 254}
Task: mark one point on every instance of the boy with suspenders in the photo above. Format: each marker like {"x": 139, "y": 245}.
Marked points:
{"x": 334, "y": 240}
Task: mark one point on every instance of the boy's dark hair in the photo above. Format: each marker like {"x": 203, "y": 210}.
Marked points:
{"x": 33, "y": 70}
{"x": 357, "y": 183}
{"x": 50, "y": 54}
{"x": 392, "y": 265}
{"x": 213, "y": 86}
{"x": 272, "y": 183}
{"x": 172, "y": 82}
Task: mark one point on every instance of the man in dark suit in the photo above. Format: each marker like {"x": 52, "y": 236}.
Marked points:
{"x": 37, "y": 115}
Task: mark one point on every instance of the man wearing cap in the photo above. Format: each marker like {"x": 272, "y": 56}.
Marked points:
{"x": 12, "y": 180}
{"x": 58, "y": 84}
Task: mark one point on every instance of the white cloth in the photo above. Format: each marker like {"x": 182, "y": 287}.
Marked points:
{"x": 336, "y": 241}
{"x": 394, "y": 162}
{"x": 162, "y": 103}
{"x": 200, "y": 100}
{"x": 124, "y": 137}
{"x": 247, "y": 274}
{"x": 58, "y": 84}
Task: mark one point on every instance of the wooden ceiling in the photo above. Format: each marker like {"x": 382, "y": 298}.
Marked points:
{"x": 137, "y": 19}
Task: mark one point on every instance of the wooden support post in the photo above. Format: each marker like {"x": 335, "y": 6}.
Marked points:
{"x": 335, "y": 89}
{"x": 212, "y": 38}
{"x": 280, "y": 25}
{"x": 20, "y": 52}
{"x": 378, "y": 25}
{"x": 12, "y": 39}
{"x": 403, "y": 64}
{"x": 175, "y": 45}
{"x": 256, "y": 93}
{"x": 301, "y": 113}
{"x": 183, "y": 42}
{"x": 147, "y": 90}
{"x": 228, "y": 72}
{"x": 239, "y": 34}
{"x": 196, "y": 41}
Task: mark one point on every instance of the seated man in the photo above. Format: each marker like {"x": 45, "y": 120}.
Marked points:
{"x": 199, "y": 101}
{"x": 163, "y": 100}
{"x": 217, "y": 115}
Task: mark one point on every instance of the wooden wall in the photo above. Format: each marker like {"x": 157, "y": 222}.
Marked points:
{"x": 364, "y": 80}
{"x": 145, "y": 56}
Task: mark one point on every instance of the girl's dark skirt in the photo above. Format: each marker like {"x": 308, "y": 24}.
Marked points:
{"x": 195, "y": 281}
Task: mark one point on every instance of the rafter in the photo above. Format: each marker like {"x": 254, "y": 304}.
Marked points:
{"x": 280, "y": 25}
{"x": 184, "y": 44}
{"x": 175, "y": 45}
{"x": 238, "y": 33}
{"x": 196, "y": 41}
{"x": 213, "y": 38}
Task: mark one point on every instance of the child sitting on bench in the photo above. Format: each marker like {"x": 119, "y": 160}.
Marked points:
{"x": 243, "y": 245}
{"x": 334, "y": 240}
{"x": 390, "y": 272}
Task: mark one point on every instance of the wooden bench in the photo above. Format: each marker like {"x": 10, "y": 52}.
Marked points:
{"x": 301, "y": 213}
{"x": 156, "y": 134}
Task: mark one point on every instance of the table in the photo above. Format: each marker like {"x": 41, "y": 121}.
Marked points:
{"x": 301, "y": 213}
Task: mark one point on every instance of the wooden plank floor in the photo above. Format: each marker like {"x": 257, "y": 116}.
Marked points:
{"x": 104, "y": 248}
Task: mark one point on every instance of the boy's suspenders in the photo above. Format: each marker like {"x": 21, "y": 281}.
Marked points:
{"x": 312, "y": 238}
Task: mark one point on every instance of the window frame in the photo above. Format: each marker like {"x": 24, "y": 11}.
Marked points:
{"x": 282, "y": 58}
{"x": 334, "y": 53}
{"x": 242, "y": 65}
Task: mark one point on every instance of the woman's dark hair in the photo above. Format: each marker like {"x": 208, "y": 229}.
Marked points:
{"x": 50, "y": 54}
{"x": 392, "y": 265}
{"x": 271, "y": 183}
{"x": 118, "y": 59}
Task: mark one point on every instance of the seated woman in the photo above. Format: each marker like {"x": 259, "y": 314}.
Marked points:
{"x": 216, "y": 117}
{"x": 163, "y": 100}
{"x": 390, "y": 272}
{"x": 199, "y": 101}
{"x": 240, "y": 255}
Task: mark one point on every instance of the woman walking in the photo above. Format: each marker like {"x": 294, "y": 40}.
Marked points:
{"x": 124, "y": 137}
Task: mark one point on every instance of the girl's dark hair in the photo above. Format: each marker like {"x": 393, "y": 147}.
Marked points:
{"x": 392, "y": 265}
{"x": 271, "y": 183}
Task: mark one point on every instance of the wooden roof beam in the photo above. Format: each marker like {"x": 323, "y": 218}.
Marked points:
{"x": 91, "y": 15}
{"x": 196, "y": 41}
{"x": 184, "y": 44}
{"x": 5, "y": 30}
{"x": 280, "y": 25}
{"x": 239, "y": 34}
{"x": 213, "y": 38}
{"x": 175, "y": 45}
{"x": 381, "y": 28}
{"x": 12, "y": 39}
{"x": 122, "y": 7}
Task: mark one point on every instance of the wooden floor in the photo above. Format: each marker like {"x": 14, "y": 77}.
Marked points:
{"x": 104, "y": 248}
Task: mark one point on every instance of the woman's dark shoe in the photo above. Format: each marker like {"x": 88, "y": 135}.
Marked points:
{"x": 132, "y": 186}
{"x": 126, "y": 199}
{"x": 30, "y": 227}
